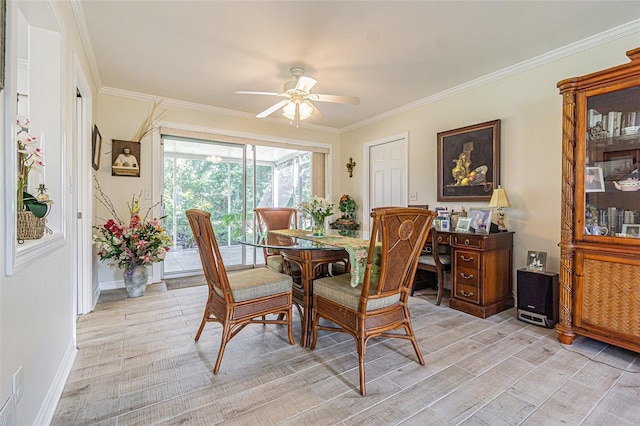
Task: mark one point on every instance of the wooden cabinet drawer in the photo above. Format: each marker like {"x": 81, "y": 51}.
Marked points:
{"x": 469, "y": 293}
{"x": 467, "y": 259}
{"x": 468, "y": 240}
{"x": 443, "y": 238}
{"x": 467, "y": 276}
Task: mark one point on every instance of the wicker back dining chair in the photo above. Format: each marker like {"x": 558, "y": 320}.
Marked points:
{"x": 270, "y": 218}
{"x": 378, "y": 305}
{"x": 242, "y": 298}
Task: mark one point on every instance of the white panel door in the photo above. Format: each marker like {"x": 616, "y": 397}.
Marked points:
{"x": 388, "y": 174}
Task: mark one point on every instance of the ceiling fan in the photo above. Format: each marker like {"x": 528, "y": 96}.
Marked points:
{"x": 298, "y": 106}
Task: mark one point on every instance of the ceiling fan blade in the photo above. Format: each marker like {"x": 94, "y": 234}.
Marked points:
{"x": 305, "y": 84}
{"x": 335, "y": 99}
{"x": 245, "y": 92}
{"x": 272, "y": 109}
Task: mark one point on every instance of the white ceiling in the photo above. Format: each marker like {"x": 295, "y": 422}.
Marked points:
{"x": 390, "y": 54}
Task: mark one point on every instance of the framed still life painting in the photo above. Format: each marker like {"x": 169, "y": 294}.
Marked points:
{"x": 469, "y": 162}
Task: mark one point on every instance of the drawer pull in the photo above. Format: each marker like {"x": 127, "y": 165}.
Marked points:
{"x": 467, "y": 241}
{"x": 466, "y": 259}
{"x": 465, "y": 294}
{"x": 439, "y": 239}
{"x": 465, "y": 276}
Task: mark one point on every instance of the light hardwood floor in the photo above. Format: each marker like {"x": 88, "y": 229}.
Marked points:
{"x": 138, "y": 365}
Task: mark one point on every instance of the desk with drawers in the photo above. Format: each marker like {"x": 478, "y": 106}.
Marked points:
{"x": 481, "y": 271}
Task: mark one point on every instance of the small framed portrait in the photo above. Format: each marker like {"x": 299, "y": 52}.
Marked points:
{"x": 463, "y": 224}
{"x": 480, "y": 220}
{"x": 444, "y": 225}
{"x": 125, "y": 157}
{"x": 593, "y": 179}
{"x": 631, "y": 230}
{"x": 537, "y": 261}
{"x": 96, "y": 147}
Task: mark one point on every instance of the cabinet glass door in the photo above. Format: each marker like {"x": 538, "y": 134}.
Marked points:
{"x": 612, "y": 199}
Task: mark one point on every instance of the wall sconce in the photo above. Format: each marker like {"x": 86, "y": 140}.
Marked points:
{"x": 350, "y": 165}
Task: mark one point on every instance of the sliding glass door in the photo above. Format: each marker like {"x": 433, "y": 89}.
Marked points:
{"x": 228, "y": 180}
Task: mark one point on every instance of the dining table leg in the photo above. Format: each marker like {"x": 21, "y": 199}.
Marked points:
{"x": 310, "y": 262}
{"x": 303, "y": 290}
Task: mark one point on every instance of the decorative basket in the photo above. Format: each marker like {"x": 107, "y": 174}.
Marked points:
{"x": 29, "y": 226}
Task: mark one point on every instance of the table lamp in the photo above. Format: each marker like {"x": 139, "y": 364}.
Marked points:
{"x": 500, "y": 200}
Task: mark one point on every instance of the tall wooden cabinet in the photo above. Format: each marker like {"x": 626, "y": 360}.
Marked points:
{"x": 600, "y": 248}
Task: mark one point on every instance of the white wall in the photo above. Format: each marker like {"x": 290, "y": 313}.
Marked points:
{"x": 530, "y": 110}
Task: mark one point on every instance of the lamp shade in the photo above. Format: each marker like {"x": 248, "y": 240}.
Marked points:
{"x": 499, "y": 198}
{"x": 304, "y": 109}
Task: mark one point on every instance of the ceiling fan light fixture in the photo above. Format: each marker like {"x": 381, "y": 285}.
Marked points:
{"x": 305, "y": 110}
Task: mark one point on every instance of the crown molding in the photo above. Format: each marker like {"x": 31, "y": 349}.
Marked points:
{"x": 81, "y": 24}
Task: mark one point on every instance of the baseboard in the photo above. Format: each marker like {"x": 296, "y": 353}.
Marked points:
{"x": 96, "y": 296}
{"x": 48, "y": 407}
{"x": 111, "y": 285}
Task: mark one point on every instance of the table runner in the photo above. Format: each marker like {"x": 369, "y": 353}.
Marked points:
{"x": 357, "y": 249}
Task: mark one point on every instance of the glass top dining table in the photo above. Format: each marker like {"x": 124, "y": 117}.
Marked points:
{"x": 310, "y": 252}
{"x": 356, "y": 243}
{"x": 297, "y": 239}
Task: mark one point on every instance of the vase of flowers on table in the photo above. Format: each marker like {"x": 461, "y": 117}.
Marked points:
{"x": 132, "y": 245}
{"x": 318, "y": 209}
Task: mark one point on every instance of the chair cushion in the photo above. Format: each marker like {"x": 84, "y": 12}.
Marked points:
{"x": 427, "y": 259}
{"x": 257, "y": 283}
{"x": 338, "y": 289}
{"x": 275, "y": 263}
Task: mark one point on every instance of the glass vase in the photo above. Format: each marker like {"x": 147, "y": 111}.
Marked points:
{"x": 135, "y": 280}
{"x": 317, "y": 227}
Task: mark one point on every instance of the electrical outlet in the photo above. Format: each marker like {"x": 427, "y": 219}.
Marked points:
{"x": 413, "y": 196}
{"x": 18, "y": 383}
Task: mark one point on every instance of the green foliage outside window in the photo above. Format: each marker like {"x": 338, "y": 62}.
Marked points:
{"x": 213, "y": 187}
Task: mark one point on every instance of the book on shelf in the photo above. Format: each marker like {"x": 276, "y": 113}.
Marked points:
{"x": 615, "y": 123}
{"x": 613, "y": 218}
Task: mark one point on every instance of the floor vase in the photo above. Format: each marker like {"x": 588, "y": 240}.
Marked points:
{"x": 135, "y": 280}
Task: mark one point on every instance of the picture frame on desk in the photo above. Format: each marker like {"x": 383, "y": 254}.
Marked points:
{"x": 469, "y": 162}
{"x": 463, "y": 225}
{"x": 480, "y": 220}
